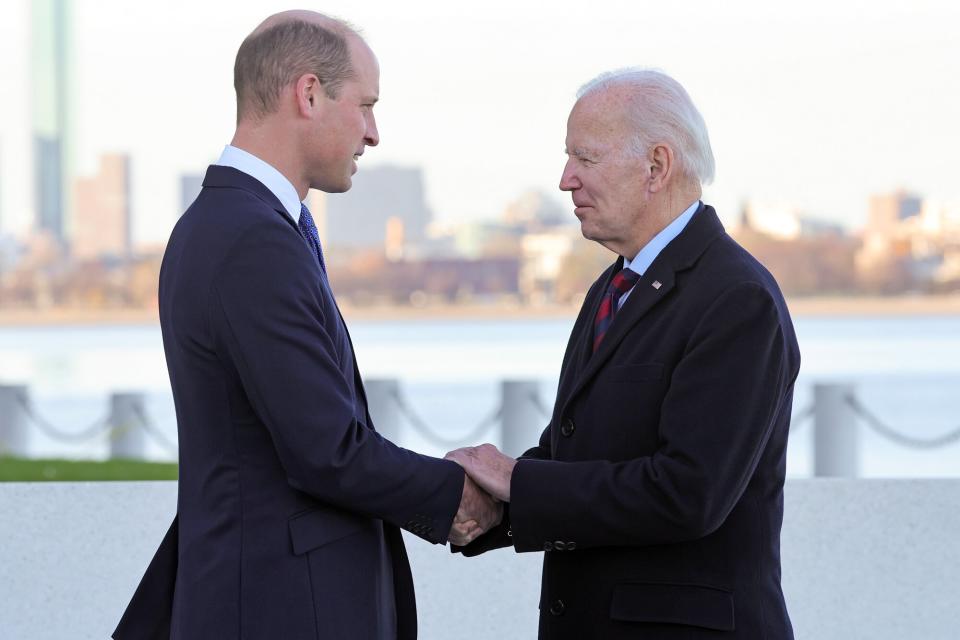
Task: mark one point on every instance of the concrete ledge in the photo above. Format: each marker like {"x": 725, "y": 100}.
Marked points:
{"x": 875, "y": 559}
{"x": 872, "y": 559}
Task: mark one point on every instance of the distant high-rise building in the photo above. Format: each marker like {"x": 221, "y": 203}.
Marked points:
{"x": 102, "y": 228}
{"x": 358, "y": 219}
{"x": 886, "y": 211}
{"x": 51, "y": 79}
{"x": 889, "y": 239}
{"x": 190, "y": 186}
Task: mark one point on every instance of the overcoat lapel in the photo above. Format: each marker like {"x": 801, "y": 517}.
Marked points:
{"x": 585, "y": 348}
{"x": 654, "y": 286}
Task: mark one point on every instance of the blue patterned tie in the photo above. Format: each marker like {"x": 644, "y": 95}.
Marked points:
{"x": 309, "y": 232}
{"x": 621, "y": 283}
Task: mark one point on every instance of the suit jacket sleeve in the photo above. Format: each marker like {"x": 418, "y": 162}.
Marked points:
{"x": 267, "y": 317}
{"x": 716, "y": 417}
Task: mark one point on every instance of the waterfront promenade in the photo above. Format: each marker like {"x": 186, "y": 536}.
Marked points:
{"x": 862, "y": 559}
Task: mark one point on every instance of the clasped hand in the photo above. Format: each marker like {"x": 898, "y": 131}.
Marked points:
{"x": 486, "y": 487}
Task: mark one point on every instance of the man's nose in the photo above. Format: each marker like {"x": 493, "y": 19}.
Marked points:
{"x": 569, "y": 181}
{"x": 372, "y": 137}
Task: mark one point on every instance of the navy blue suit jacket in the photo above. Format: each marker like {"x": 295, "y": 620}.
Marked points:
{"x": 288, "y": 498}
{"x": 656, "y": 490}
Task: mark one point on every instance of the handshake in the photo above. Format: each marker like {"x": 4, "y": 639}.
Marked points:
{"x": 485, "y": 488}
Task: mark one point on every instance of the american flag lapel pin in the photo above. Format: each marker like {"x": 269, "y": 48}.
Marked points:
{"x": 656, "y": 284}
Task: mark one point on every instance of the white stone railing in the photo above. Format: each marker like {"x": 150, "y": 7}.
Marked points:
{"x": 871, "y": 559}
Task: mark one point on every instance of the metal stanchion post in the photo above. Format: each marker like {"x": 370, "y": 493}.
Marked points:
{"x": 14, "y": 435}
{"x": 835, "y": 432}
{"x": 382, "y": 396}
{"x": 522, "y": 421}
{"x": 128, "y": 436}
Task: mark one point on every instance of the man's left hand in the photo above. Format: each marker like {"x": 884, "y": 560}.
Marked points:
{"x": 489, "y": 468}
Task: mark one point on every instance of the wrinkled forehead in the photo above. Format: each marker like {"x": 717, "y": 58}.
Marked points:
{"x": 598, "y": 118}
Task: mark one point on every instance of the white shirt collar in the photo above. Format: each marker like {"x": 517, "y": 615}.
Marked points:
{"x": 271, "y": 178}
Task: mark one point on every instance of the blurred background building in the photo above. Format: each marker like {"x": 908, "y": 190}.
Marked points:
{"x": 385, "y": 203}
{"x": 52, "y": 100}
{"x": 103, "y": 216}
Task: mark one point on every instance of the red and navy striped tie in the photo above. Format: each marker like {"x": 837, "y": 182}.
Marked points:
{"x": 621, "y": 283}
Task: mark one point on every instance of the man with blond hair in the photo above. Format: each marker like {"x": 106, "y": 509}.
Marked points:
{"x": 656, "y": 490}
{"x": 290, "y": 504}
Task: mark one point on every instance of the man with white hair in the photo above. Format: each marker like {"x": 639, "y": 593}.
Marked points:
{"x": 656, "y": 490}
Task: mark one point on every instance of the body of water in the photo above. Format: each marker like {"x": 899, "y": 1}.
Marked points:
{"x": 905, "y": 369}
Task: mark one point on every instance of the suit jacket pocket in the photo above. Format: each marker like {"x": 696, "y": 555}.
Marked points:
{"x": 317, "y": 527}
{"x": 636, "y": 372}
{"x": 689, "y": 604}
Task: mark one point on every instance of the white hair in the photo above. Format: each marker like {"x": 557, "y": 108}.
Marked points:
{"x": 660, "y": 111}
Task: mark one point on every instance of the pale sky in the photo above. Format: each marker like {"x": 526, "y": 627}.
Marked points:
{"x": 816, "y": 103}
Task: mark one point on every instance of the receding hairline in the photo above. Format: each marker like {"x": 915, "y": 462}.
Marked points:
{"x": 337, "y": 25}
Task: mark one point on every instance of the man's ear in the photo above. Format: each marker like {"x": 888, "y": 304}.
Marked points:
{"x": 308, "y": 93}
{"x": 662, "y": 165}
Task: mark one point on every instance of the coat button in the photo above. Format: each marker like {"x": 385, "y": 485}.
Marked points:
{"x": 548, "y": 546}
{"x": 557, "y": 608}
{"x": 568, "y": 428}
{"x": 560, "y": 545}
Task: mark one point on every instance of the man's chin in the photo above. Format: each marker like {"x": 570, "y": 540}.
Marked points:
{"x": 340, "y": 186}
{"x": 594, "y": 235}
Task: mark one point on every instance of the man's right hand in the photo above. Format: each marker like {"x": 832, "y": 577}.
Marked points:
{"x": 478, "y": 513}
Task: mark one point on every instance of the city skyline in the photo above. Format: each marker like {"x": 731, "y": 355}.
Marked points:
{"x": 819, "y": 107}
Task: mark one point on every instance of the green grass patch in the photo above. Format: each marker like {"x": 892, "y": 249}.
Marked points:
{"x": 27, "y": 470}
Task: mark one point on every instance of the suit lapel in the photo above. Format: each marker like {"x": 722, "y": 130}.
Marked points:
{"x": 654, "y": 286}
{"x": 228, "y": 177}
{"x": 643, "y": 298}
